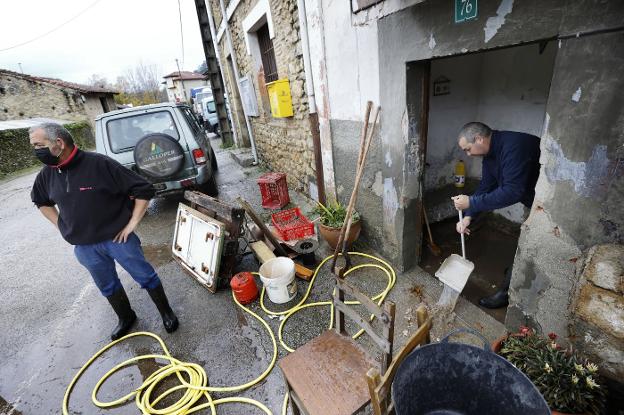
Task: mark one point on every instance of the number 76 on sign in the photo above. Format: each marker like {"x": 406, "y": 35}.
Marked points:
{"x": 465, "y": 10}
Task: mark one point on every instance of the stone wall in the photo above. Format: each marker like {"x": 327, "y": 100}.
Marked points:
{"x": 16, "y": 153}
{"x": 579, "y": 195}
{"x": 21, "y": 98}
{"x": 284, "y": 144}
{"x": 597, "y": 326}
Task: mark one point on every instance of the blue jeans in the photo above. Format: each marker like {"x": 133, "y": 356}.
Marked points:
{"x": 99, "y": 259}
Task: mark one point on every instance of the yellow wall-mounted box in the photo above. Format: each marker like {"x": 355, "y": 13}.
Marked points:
{"x": 279, "y": 96}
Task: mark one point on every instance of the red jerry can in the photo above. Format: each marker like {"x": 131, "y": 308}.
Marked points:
{"x": 244, "y": 287}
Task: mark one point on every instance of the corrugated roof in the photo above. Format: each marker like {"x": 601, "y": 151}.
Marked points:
{"x": 85, "y": 89}
{"x": 185, "y": 75}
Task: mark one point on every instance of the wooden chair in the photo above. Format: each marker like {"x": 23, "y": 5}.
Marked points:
{"x": 379, "y": 386}
{"x": 327, "y": 375}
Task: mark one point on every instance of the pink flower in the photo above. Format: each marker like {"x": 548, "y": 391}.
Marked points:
{"x": 525, "y": 330}
{"x": 552, "y": 336}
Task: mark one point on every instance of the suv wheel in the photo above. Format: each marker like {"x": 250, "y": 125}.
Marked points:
{"x": 210, "y": 187}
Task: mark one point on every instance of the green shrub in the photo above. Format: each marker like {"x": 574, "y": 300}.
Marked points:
{"x": 16, "y": 153}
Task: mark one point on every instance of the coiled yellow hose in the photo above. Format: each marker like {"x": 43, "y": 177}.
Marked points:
{"x": 192, "y": 377}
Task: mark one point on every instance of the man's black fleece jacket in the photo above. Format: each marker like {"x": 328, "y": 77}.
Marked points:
{"x": 94, "y": 195}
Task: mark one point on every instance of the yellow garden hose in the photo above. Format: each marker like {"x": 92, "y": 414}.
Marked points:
{"x": 192, "y": 377}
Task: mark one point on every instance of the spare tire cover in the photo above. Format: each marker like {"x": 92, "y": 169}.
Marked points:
{"x": 158, "y": 155}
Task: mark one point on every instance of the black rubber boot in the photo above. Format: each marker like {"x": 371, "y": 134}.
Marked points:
{"x": 501, "y": 297}
{"x": 170, "y": 321}
{"x": 121, "y": 306}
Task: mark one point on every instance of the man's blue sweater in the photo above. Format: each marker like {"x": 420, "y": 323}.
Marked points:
{"x": 509, "y": 172}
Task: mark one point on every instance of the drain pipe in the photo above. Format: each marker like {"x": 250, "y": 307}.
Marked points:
{"x": 215, "y": 43}
{"x": 313, "y": 115}
{"x": 237, "y": 79}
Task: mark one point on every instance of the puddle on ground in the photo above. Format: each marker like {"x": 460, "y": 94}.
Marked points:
{"x": 157, "y": 255}
{"x": 491, "y": 248}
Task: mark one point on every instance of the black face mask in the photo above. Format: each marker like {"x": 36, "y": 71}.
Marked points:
{"x": 45, "y": 156}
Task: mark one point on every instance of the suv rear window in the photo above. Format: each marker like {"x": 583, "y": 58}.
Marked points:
{"x": 123, "y": 133}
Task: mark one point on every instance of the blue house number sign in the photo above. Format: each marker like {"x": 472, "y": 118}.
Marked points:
{"x": 465, "y": 10}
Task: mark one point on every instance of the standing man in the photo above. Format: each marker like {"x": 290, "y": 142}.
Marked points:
{"x": 100, "y": 204}
{"x": 509, "y": 173}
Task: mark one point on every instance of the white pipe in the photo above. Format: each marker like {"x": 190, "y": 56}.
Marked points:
{"x": 213, "y": 35}
{"x": 305, "y": 45}
{"x": 237, "y": 79}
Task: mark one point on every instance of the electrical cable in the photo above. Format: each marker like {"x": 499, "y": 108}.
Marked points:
{"x": 52, "y": 30}
{"x": 193, "y": 378}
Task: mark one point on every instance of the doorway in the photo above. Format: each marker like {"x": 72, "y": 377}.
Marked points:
{"x": 507, "y": 89}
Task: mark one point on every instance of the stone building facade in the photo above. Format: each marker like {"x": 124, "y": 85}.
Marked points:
{"x": 283, "y": 144}
{"x": 24, "y": 96}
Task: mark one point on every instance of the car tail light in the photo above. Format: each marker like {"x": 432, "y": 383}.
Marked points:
{"x": 199, "y": 156}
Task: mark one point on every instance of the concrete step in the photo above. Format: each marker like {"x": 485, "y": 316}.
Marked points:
{"x": 242, "y": 156}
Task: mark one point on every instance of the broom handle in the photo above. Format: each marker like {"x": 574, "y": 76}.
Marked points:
{"x": 461, "y": 221}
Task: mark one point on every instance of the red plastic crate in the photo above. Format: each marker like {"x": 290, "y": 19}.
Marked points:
{"x": 274, "y": 190}
{"x": 292, "y": 224}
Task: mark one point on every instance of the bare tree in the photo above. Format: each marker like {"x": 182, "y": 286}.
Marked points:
{"x": 140, "y": 85}
{"x": 98, "y": 80}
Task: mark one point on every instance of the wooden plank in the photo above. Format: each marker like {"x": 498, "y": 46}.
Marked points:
{"x": 328, "y": 375}
{"x": 388, "y": 334}
{"x": 262, "y": 251}
{"x": 418, "y": 338}
{"x": 267, "y": 233}
{"x": 373, "y": 379}
{"x": 353, "y": 315}
{"x": 303, "y": 272}
{"x": 221, "y": 209}
{"x": 369, "y": 304}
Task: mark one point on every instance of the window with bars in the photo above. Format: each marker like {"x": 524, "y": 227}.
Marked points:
{"x": 267, "y": 54}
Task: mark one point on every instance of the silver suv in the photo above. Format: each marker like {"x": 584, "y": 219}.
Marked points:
{"x": 163, "y": 143}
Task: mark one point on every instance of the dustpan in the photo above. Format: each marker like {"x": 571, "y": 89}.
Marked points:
{"x": 454, "y": 273}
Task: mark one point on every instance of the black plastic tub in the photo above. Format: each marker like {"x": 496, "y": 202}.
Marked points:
{"x": 458, "y": 379}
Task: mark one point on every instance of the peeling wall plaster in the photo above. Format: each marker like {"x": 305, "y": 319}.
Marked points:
{"x": 432, "y": 42}
{"x": 390, "y": 200}
{"x": 494, "y": 23}
{"x": 587, "y": 177}
{"x": 576, "y": 97}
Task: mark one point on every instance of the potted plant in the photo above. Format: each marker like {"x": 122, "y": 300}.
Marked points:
{"x": 332, "y": 218}
{"x": 568, "y": 383}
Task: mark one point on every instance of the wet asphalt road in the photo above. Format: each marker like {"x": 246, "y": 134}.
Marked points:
{"x": 54, "y": 318}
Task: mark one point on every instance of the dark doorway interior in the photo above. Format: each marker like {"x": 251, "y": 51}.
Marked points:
{"x": 508, "y": 90}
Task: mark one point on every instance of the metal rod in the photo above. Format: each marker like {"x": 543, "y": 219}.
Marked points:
{"x": 461, "y": 226}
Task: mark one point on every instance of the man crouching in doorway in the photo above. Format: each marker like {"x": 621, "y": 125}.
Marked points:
{"x": 100, "y": 204}
{"x": 509, "y": 173}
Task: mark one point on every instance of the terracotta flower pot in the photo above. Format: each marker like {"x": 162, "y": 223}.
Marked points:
{"x": 331, "y": 235}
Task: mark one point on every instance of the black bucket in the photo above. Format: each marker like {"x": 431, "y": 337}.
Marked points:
{"x": 459, "y": 379}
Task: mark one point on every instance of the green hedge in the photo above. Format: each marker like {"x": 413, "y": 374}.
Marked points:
{"x": 16, "y": 153}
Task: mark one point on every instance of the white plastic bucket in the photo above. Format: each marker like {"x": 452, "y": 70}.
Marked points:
{"x": 278, "y": 277}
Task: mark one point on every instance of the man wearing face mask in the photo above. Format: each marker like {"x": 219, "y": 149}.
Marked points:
{"x": 100, "y": 203}
{"x": 509, "y": 173}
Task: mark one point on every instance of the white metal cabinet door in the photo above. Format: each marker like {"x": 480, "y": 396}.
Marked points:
{"x": 197, "y": 244}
